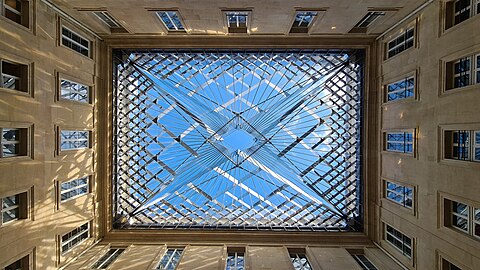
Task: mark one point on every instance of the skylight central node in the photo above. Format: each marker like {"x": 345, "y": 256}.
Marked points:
{"x": 238, "y": 139}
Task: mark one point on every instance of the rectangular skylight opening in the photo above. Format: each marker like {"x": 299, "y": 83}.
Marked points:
{"x": 303, "y": 21}
{"x": 171, "y": 20}
{"x": 368, "y": 19}
{"x": 237, "y": 21}
{"x": 107, "y": 19}
{"x": 110, "y": 21}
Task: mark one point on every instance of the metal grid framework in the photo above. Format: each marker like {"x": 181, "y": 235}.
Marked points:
{"x": 242, "y": 139}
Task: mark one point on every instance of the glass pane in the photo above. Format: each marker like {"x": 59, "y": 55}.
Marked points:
{"x": 460, "y": 208}
{"x": 460, "y": 223}
{"x": 10, "y": 201}
{"x": 9, "y": 215}
{"x": 304, "y": 18}
{"x": 21, "y": 264}
{"x": 9, "y": 135}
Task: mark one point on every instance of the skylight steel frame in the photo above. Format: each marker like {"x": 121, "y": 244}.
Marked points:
{"x": 356, "y": 223}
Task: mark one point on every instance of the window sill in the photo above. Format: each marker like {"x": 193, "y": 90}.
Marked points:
{"x": 90, "y": 58}
{"x": 67, "y": 152}
{"x": 395, "y": 207}
{"x": 460, "y": 163}
{"x": 24, "y": 28}
{"x": 389, "y": 59}
{"x": 401, "y": 154}
{"x": 397, "y": 254}
{"x": 460, "y": 89}
{"x": 73, "y": 102}
{"x": 461, "y": 25}
{"x": 16, "y": 159}
{"x": 16, "y": 92}
{"x": 400, "y": 101}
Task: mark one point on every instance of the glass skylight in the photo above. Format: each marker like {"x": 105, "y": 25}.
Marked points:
{"x": 304, "y": 18}
{"x": 237, "y": 19}
{"x": 171, "y": 20}
{"x": 256, "y": 139}
{"x": 368, "y": 19}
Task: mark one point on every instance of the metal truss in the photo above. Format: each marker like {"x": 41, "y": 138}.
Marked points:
{"x": 252, "y": 139}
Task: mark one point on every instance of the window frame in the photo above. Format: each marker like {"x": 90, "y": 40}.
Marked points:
{"x": 91, "y": 44}
{"x": 443, "y": 259}
{"x": 413, "y": 132}
{"x": 298, "y": 253}
{"x": 365, "y": 19}
{"x": 83, "y": 82}
{"x": 28, "y": 256}
{"x": 448, "y": 213}
{"x": 448, "y": 144}
{"x": 448, "y": 83}
{"x": 72, "y": 248}
{"x": 412, "y": 26}
{"x": 237, "y": 30}
{"x": 235, "y": 251}
{"x": 25, "y": 21}
{"x": 450, "y": 13}
{"x": 106, "y": 263}
{"x": 26, "y": 146}
{"x": 410, "y": 75}
{"x": 69, "y": 150}
{"x": 88, "y": 184}
{"x": 412, "y": 210}
{"x": 305, "y": 29}
{"x": 397, "y": 249}
{"x": 165, "y": 27}
{"x": 175, "y": 249}
{"x": 24, "y": 206}
{"x": 355, "y": 256}
{"x": 27, "y": 84}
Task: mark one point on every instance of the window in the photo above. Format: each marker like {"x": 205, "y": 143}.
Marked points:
{"x": 462, "y": 145}
{"x": 21, "y": 264}
{"x": 16, "y": 10}
{"x": 70, "y": 90}
{"x": 171, "y": 20}
{"x": 368, "y": 19}
{"x": 110, "y": 21}
{"x": 401, "y": 43}
{"x": 14, "y": 76}
{"x": 14, "y": 142}
{"x": 363, "y": 261}
{"x": 303, "y": 20}
{"x": 74, "y": 188}
{"x": 235, "y": 259}
{"x": 463, "y": 217}
{"x": 170, "y": 259}
{"x": 299, "y": 259}
{"x": 398, "y": 240}
{"x": 75, "y": 237}
{"x": 74, "y": 139}
{"x": 446, "y": 265}
{"x": 237, "y": 21}
{"x": 399, "y": 194}
{"x": 75, "y": 42}
{"x": 108, "y": 258}
{"x": 459, "y": 11}
{"x": 14, "y": 207}
{"x": 402, "y": 89}
{"x": 401, "y": 142}
{"x": 463, "y": 72}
